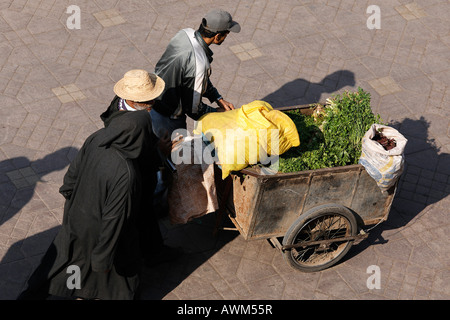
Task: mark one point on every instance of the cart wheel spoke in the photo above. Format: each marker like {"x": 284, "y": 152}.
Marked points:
{"x": 320, "y": 229}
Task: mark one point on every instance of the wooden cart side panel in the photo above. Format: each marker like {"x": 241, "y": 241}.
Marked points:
{"x": 245, "y": 198}
{"x": 338, "y": 188}
{"x": 281, "y": 204}
{"x": 283, "y": 198}
{"x": 370, "y": 203}
{"x": 266, "y": 206}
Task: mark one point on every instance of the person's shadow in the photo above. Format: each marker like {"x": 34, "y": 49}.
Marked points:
{"x": 303, "y": 92}
{"x": 422, "y": 183}
{"x": 18, "y": 180}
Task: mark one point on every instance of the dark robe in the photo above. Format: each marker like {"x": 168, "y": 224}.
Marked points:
{"x": 150, "y": 238}
{"x": 99, "y": 233}
{"x": 112, "y": 112}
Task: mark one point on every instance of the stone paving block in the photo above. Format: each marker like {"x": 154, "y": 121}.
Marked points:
{"x": 68, "y": 93}
{"x": 109, "y": 18}
{"x": 251, "y": 270}
{"x": 202, "y": 288}
{"x": 331, "y": 283}
{"x": 385, "y": 85}
{"x": 268, "y": 288}
{"x": 411, "y": 11}
{"x": 246, "y": 51}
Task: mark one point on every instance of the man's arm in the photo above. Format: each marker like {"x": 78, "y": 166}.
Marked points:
{"x": 214, "y": 96}
{"x": 71, "y": 176}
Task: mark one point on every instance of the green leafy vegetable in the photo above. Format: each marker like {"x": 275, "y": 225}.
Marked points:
{"x": 332, "y": 137}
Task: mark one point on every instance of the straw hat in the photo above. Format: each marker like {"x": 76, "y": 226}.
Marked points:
{"x": 139, "y": 85}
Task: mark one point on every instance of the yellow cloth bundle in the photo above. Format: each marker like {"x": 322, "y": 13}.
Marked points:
{"x": 248, "y": 135}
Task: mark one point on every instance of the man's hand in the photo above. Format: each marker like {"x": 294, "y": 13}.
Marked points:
{"x": 225, "y": 105}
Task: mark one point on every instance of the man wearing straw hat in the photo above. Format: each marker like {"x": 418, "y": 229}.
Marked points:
{"x": 137, "y": 90}
{"x": 185, "y": 68}
{"x": 95, "y": 254}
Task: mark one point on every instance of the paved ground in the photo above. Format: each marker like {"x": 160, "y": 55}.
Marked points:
{"x": 55, "y": 81}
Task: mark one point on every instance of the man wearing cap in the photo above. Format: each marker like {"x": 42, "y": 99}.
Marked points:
{"x": 185, "y": 69}
{"x": 137, "y": 91}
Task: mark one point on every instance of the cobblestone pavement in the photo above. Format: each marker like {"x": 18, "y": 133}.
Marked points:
{"x": 55, "y": 82}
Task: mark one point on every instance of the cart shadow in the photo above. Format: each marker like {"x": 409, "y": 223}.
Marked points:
{"x": 303, "y": 92}
{"x": 422, "y": 183}
{"x": 199, "y": 244}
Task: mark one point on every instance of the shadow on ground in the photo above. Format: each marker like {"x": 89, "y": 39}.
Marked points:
{"x": 18, "y": 179}
{"x": 422, "y": 183}
{"x": 199, "y": 244}
{"x": 301, "y": 91}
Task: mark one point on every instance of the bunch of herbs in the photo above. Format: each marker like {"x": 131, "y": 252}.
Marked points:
{"x": 333, "y": 137}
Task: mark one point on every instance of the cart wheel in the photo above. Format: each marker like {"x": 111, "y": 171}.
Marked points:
{"x": 321, "y": 223}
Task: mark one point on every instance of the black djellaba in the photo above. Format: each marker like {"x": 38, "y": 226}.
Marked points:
{"x": 99, "y": 234}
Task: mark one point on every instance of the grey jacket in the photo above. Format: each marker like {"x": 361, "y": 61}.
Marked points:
{"x": 185, "y": 68}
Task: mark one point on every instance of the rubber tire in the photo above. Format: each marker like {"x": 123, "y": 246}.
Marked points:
{"x": 311, "y": 214}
